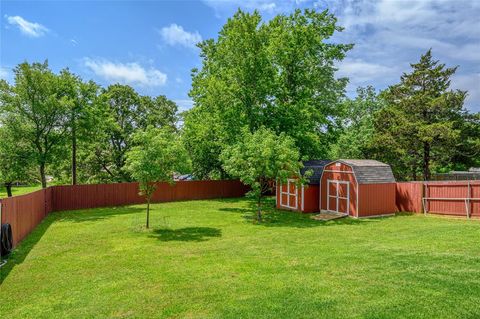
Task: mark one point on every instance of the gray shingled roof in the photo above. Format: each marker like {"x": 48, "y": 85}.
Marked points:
{"x": 370, "y": 171}
{"x": 317, "y": 167}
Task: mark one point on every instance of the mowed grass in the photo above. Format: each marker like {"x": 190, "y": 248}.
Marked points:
{"x": 209, "y": 259}
{"x": 19, "y": 190}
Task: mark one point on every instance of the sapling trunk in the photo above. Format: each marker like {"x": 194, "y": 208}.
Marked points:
{"x": 148, "y": 212}
{"x": 259, "y": 209}
{"x": 147, "y": 191}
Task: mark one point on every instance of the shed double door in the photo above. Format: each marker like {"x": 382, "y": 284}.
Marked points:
{"x": 289, "y": 194}
{"x": 338, "y": 196}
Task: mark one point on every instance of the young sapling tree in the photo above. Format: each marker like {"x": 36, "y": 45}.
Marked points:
{"x": 157, "y": 156}
{"x": 260, "y": 157}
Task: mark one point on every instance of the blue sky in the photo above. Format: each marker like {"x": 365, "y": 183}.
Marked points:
{"x": 151, "y": 44}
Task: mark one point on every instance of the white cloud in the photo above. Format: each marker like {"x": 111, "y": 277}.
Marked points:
{"x": 129, "y": 73}
{"x": 32, "y": 29}
{"x": 269, "y": 6}
{"x": 392, "y": 34}
{"x": 175, "y": 35}
{"x": 363, "y": 73}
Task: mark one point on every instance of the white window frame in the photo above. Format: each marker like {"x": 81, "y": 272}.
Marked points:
{"x": 287, "y": 205}
{"x": 336, "y": 195}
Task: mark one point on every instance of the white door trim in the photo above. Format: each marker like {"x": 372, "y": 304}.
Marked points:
{"x": 288, "y": 204}
{"x": 336, "y": 195}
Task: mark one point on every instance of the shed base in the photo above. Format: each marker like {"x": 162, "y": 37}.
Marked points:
{"x": 327, "y": 215}
{"x": 375, "y": 216}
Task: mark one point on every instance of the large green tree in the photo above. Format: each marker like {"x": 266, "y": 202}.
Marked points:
{"x": 84, "y": 117}
{"x": 36, "y": 113}
{"x": 259, "y": 157}
{"x": 422, "y": 123}
{"x": 127, "y": 112}
{"x": 278, "y": 74}
{"x": 157, "y": 155}
{"x": 306, "y": 95}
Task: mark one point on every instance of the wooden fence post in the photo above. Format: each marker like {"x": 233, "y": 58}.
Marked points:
{"x": 424, "y": 195}
{"x": 467, "y": 200}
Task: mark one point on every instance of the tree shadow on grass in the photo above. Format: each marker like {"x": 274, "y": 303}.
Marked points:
{"x": 272, "y": 217}
{"x": 195, "y": 234}
{"x": 91, "y": 215}
{"x": 21, "y": 251}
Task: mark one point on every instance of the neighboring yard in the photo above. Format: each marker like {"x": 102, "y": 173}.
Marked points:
{"x": 208, "y": 259}
{"x": 19, "y": 190}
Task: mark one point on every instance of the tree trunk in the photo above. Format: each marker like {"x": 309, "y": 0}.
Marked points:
{"x": 148, "y": 213}
{"x": 42, "y": 175}
{"x": 259, "y": 209}
{"x": 426, "y": 161}
{"x": 8, "y": 186}
{"x": 74, "y": 153}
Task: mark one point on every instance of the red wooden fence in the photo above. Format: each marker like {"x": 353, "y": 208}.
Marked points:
{"x": 27, "y": 211}
{"x": 453, "y": 198}
{"x": 409, "y": 197}
{"x": 446, "y": 198}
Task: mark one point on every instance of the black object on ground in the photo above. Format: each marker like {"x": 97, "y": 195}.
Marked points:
{"x": 6, "y": 240}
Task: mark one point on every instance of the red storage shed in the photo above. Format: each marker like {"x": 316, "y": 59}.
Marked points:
{"x": 303, "y": 198}
{"x": 359, "y": 188}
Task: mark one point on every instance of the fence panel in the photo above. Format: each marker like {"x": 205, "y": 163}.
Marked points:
{"x": 25, "y": 212}
{"x": 445, "y": 198}
{"x": 409, "y": 197}
{"x": 104, "y": 195}
{"x": 453, "y": 198}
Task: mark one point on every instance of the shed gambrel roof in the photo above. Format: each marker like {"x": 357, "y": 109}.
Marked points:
{"x": 370, "y": 171}
{"x": 317, "y": 169}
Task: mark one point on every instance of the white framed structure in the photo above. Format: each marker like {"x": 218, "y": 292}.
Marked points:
{"x": 337, "y": 196}
{"x": 370, "y": 192}
{"x": 286, "y": 201}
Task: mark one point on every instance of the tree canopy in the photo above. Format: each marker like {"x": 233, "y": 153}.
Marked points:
{"x": 34, "y": 111}
{"x": 274, "y": 76}
{"x": 279, "y": 74}
{"x": 424, "y": 119}
{"x": 72, "y": 129}
{"x": 355, "y": 141}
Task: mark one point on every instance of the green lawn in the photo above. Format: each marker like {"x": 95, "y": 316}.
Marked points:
{"x": 208, "y": 259}
{"x": 19, "y": 190}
